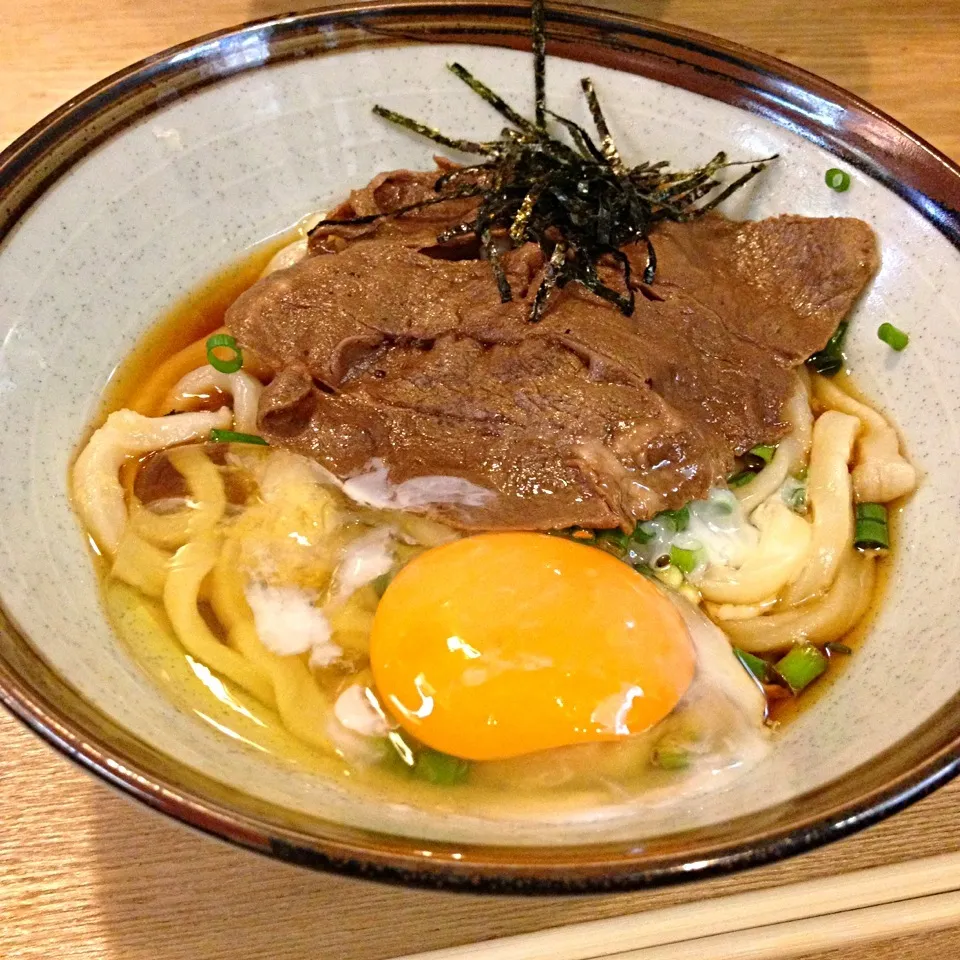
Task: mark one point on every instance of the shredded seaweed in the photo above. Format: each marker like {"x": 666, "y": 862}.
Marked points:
{"x": 579, "y": 203}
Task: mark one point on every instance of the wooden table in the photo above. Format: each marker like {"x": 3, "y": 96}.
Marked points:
{"x": 86, "y": 874}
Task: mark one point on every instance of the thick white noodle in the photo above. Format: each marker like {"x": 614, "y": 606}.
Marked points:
{"x": 96, "y": 484}
{"x": 820, "y": 621}
{"x": 738, "y": 611}
{"x": 791, "y": 452}
{"x": 286, "y": 257}
{"x": 244, "y": 389}
{"x": 829, "y": 496}
{"x": 141, "y": 564}
{"x": 881, "y": 473}
{"x": 779, "y": 556}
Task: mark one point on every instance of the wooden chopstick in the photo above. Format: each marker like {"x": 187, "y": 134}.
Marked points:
{"x": 803, "y": 937}
{"x": 840, "y": 905}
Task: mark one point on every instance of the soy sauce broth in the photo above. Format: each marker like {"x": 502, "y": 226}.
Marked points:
{"x": 142, "y": 623}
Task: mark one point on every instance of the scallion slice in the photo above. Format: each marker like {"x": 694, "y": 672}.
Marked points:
{"x": 754, "y": 664}
{"x": 642, "y": 534}
{"x": 440, "y": 768}
{"x": 616, "y": 538}
{"x": 871, "y": 531}
{"x": 684, "y": 559}
{"x": 679, "y": 518}
{"x": 229, "y": 364}
{"x": 801, "y": 666}
{"x": 763, "y": 451}
{"x": 872, "y": 511}
{"x": 230, "y": 436}
{"x": 892, "y": 337}
{"x": 796, "y": 498}
{"x": 837, "y": 179}
{"x": 829, "y": 360}
{"x": 835, "y": 648}
{"x": 740, "y": 479}
{"x": 670, "y": 756}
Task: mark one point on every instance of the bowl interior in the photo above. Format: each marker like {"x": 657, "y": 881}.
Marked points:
{"x": 181, "y": 193}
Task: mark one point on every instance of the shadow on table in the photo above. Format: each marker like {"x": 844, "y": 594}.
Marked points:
{"x": 169, "y": 893}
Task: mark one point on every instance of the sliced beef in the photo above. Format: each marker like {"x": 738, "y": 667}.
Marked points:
{"x": 522, "y": 420}
{"x": 386, "y": 193}
{"x": 328, "y": 311}
{"x": 682, "y": 351}
{"x": 783, "y": 283}
{"x": 386, "y": 351}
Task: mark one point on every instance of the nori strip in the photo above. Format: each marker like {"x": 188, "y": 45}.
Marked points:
{"x": 579, "y": 203}
{"x": 464, "y": 146}
{"x": 539, "y": 31}
{"x": 607, "y": 146}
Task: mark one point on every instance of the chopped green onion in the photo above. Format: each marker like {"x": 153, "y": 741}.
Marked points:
{"x": 801, "y": 666}
{"x": 763, "y": 451}
{"x": 642, "y": 534}
{"x": 440, "y": 768}
{"x": 616, "y": 538}
{"x": 754, "y": 664}
{"x": 223, "y": 341}
{"x": 674, "y": 750}
{"x": 668, "y": 756}
{"x": 892, "y": 337}
{"x": 230, "y": 436}
{"x": 740, "y": 479}
{"x": 685, "y": 560}
{"x": 834, "y": 648}
{"x": 754, "y": 460}
{"x": 679, "y": 518}
{"x": 837, "y": 179}
{"x": 796, "y": 498}
{"x": 669, "y": 574}
{"x": 829, "y": 360}
{"x": 871, "y": 532}
{"x": 872, "y": 511}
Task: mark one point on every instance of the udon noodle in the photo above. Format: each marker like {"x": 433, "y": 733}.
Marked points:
{"x": 530, "y": 478}
{"x": 268, "y": 573}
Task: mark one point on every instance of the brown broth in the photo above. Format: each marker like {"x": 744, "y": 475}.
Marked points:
{"x": 198, "y": 313}
{"x": 787, "y": 710}
{"x": 201, "y": 311}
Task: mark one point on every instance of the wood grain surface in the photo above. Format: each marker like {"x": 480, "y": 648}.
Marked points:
{"x": 86, "y": 874}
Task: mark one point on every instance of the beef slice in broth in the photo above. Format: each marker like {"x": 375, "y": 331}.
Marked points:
{"x": 388, "y": 349}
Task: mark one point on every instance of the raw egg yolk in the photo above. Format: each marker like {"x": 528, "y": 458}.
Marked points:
{"x": 503, "y": 644}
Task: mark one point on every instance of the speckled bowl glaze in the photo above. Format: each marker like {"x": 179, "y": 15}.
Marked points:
{"x": 144, "y": 186}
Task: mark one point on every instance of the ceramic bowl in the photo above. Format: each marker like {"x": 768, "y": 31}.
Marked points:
{"x": 142, "y": 187}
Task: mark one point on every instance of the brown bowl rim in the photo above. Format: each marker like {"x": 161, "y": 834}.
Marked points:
{"x": 848, "y": 127}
